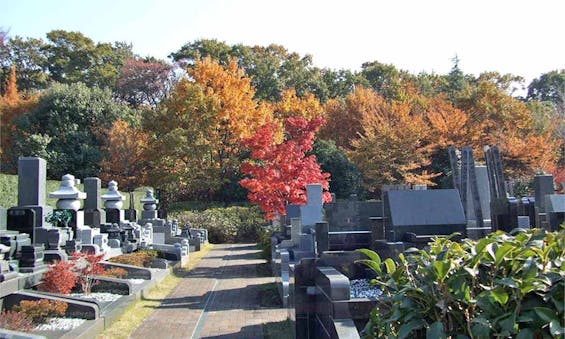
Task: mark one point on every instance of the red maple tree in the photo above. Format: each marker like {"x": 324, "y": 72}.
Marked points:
{"x": 280, "y": 171}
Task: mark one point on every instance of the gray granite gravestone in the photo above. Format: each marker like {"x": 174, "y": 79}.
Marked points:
{"x": 555, "y": 209}
{"x": 32, "y": 178}
{"x": 32, "y": 174}
{"x": 543, "y": 185}
{"x": 93, "y": 215}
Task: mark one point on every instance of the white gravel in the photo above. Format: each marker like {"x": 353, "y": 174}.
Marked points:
{"x": 361, "y": 288}
{"x": 136, "y": 281}
{"x": 99, "y": 296}
{"x": 60, "y": 324}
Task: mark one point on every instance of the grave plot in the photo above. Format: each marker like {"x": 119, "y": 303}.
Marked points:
{"x": 35, "y": 236}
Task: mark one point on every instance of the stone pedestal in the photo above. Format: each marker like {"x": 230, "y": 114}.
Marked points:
{"x": 32, "y": 259}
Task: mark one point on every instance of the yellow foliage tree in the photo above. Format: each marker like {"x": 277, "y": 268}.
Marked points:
{"x": 291, "y": 106}
{"x": 392, "y": 147}
{"x": 197, "y": 140}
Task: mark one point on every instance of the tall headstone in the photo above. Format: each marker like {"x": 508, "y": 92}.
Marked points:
{"x": 31, "y": 210}
{"x": 312, "y": 212}
{"x": 31, "y": 190}
{"x": 93, "y": 215}
{"x": 543, "y": 186}
{"x": 131, "y": 213}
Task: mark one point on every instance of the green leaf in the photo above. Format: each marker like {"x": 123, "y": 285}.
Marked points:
{"x": 507, "y": 282}
{"x": 490, "y": 251}
{"x": 442, "y": 268}
{"x": 526, "y": 333}
{"x": 406, "y": 329}
{"x": 509, "y": 323}
{"x": 371, "y": 264}
{"x": 501, "y": 253}
{"x": 499, "y": 295}
{"x": 390, "y": 266}
{"x": 371, "y": 254}
{"x": 435, "y": 331}
{"x": 546, "y": 314}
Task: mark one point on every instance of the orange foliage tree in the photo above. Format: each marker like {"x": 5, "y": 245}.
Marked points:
{"x": 279, "y": 172}
{"x": 12, "y": 105}
{"x": 125, "y": 155}
{"x": 497, "y": 118}
{"x": 345, "y": 116}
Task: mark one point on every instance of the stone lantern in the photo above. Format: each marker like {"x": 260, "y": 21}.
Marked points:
{"x": 113, "y": 203}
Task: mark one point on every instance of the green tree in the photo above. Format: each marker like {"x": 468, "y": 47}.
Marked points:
{"x": 345, "y": 176}
{"x": 272, "y": 69}
{"x": 73, "y": 57}
{"x": 549, "y": 87}
{"x": 30, "y": 59}
{"x": 68, "y": 124}
{"x": 385, "y": 79}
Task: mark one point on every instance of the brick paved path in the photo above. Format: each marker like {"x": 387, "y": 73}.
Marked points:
{"x": 217, "y": 299}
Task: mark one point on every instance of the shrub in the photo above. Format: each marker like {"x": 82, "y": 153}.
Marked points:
{"x": 115, "y": 272}
{"x": 264, "y": 243}
{"x": 16, "y": 321}
{"x": 499, "y": 286}
{"x": 141, "y": 258}
{"x": 86, "y": 265}
{"x": 41, "y": 310}
{"x": 59, "y": 278}
{"x": 226, "y": 225}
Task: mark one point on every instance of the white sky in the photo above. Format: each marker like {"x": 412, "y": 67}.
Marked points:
{"x": 520, "y": 37}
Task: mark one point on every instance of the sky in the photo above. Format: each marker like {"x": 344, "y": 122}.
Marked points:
{"x": 525, "y": 38}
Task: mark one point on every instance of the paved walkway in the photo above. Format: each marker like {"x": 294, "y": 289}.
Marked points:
{"x": 217, "y": 299}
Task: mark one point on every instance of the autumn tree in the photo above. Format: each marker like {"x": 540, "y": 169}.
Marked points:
{"x": 391, "y": 147}
{"x": 272, "y": 69}
{"x": 125, "y": 155}
{"x": 12, "y": 105}
{"x": 279, "y": 172}
{"x": 291, "y": 105}
{"x": 345, "y": 116}
{"x": 497, "y": 118}
{"x": 144, "y": 82}
{"x": 197, "y": 140}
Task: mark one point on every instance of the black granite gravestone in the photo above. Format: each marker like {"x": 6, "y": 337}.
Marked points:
{"x": 423, "y": 213}
{"x": 21, "y": 219}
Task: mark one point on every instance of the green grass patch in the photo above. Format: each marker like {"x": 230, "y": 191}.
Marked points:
{"x": 278, "y": 330}
{"x": 269, "y": 296}
{"x": 136, "y": 313}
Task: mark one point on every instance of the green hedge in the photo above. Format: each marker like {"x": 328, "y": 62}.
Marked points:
{"x": 498, "y": 287}
{"x": 226, "y": 225}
